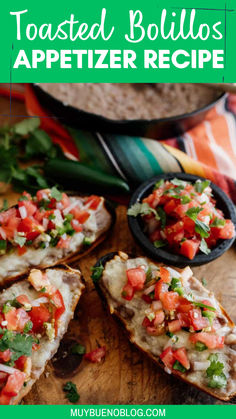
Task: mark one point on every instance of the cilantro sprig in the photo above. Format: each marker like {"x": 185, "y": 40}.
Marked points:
{"x": 142, "y": 209}
{"x": 71, "y": 392}
{"x": 214, "y": 372}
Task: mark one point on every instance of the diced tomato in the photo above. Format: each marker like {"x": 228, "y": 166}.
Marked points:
{"x": 189, "y": 225}
{"x": 159, "y": 317}
{"x": 181, "y": 355}
{"x": 146, "y": 322}
{"x": 93, "y": 202}
{"x": 170, "y": 300}
{"x": 152, "y": 200}
{"x": 183, "y": 319}
{"x": 20, "y": 362}
{"x": 23, "y": 318}
{"x": 175, "y": 238}
{"x": 5, "y": 356}
{"x": 155, "y": 236}
{"x": 170, "y": 206}
{"x": 42, "y": 194}
{"x": 80, "y": 215}
{"x": 136, "y": 278}
{"x": 30, "y": 227}
{"x": 96, "y": 355}
{"x": 167, "y": 357}
{"x": 146, "y": 298}
{"x": 30, "y": 208}
{"x": 228, "y": 231}
{"x": 211, "y": 340}
{"x": 128, "y": 292}
{"x": 181, "y": 210}
{"x": 184, "y": 305}
{"x": 6, "y": 216}
{"x": 189, "y": 248}
{"x": 39, "y": 315}
{"x": 65, "y": 200}
{"x": 23, "y": 299}
{"x": 27, "y": 195}
{"x": 160, "y": 288}
{"x": 12, "y": 319}
{"x": 174, "y": 326}
{"x": 197, "y": 321}
{"x": 76, "y": 226}
{"x": 4, "y": 400}
{"x": 35, "y": 347}
{"x": 21, "y": 250}
{"x": 14, "y": 384}
{"x": 59, "y": 304}
{"x": 64, "y": 243}
{"x": 165, "y": 275}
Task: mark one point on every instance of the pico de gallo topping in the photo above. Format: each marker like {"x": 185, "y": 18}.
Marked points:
{"x": 173, "y": 312}
{"x": 23, "y": 323}
{"x": 50, "y": 218}
{"x": 183, "y": 217}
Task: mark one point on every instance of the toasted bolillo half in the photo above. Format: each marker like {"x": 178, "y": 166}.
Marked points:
{"x": 172, "y": 318}
{"x": 49, "y": 229}
{"x": 34, "y": 316}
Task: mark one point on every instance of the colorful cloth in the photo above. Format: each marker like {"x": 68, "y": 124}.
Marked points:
{"x": 207, "y": 150}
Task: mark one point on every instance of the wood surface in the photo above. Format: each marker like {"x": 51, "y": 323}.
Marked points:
{"x": 125, "y": 376}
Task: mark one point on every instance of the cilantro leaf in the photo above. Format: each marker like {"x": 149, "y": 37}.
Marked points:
{"x": 218, "y": 222}
{"x": 200, "y": 186}
{"x": 204, "y": 248}
{"x": 193, "y": 212}
{"x": 162, "y": 217}
{"x": 26, "y": 126}
{"x": 158, "y": 184}
{"x": 179, "y": 367}
{"x": 56, "y": 194}
{"x": 215, "y": 368}
{"x": 214, "y": 372}
{"x": 72, "y": 393}
{"x": 141, "y": 209}
{"x": 28, "y": 326}
{"x": 178, "y": 182}
{"x": 97, "y": 272}
{"x": 202, "y": 228}
{"x": 19, "y": 344}
{"x": 78, "y": 349}
{"x": 159, "y": 243}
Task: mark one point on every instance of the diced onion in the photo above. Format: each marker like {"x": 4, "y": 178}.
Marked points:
{"x": 45, "y": 223}
{"x": 201, "y": 366}
{"x": 59, "y": 205}
{"x": 168, "y": 370}
{"x": 64, "y": 236}
{"x": 149, "y": 289}
{"x": 187, "y": 273}
{"x": 174, "y": 273}
{"x": 23, "y": 212}
{"x": 70, "y": 207}
{"x": 41, "y": 300}
{"x": 156, "y": 305}
{"x": 2, "y": 233}
{"x": 8, "y": 370}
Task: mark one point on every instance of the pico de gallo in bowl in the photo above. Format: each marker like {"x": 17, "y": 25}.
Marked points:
{"x": 181, "y": 218}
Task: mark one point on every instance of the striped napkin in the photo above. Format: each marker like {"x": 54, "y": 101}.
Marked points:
{"x": 207, "y": 150}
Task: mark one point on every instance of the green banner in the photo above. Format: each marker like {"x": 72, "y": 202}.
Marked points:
{"x": 124, "y": 41}
{"x": 150, "y": 411}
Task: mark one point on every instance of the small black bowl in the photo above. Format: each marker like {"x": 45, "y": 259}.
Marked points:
{"x": 223, "y": 202}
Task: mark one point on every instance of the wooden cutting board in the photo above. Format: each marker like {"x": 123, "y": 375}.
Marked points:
{"x": 125, "y": 376}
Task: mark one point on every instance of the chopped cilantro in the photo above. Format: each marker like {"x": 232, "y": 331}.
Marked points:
{"x": 193, "y": 212}
{"x": 43, "y": 289}
{"x": 18, "y": 343}
{"x": 178, "y": 366}
{"x": 4, "y": 206}
{"x": 3, "y": 246}
{"x": 217, "y": 378}
{"x": 162, "y": 217}
{"x": 28, "y": 326}
{"x": 202, "y": 228}
{"x": 51, "y": 217}
{"x": 170, "y": 334}
{"x": 72, "y": 393}
{"x": 159, "y": 243}
{"x": 148, "y": 275}
{"x": 78, "y": 349}
{"x": 97, "y": 272}
{"x": 200, "y": 186}
{"x": 142, "y": 209}
{"x": 56, "y": 194}
{"x": 158, "y": 184}
{"x": 204, "y": 248}
{"x": 87, "y": 241}
{"x": 218, "y": 222}
{"x": 176, "y": 286}
{"x": 69, "y": 217}
{"x": 23, "y": 198}
{"x": 178, "y": 182}
{"x": 199, "y": 346}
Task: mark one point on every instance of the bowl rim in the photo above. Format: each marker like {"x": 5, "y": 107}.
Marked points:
{"x": 166, "y": 256}
{"x": 123, "y": 122}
